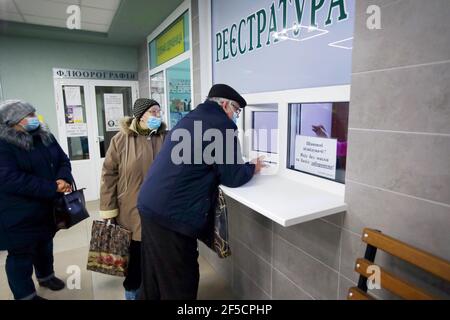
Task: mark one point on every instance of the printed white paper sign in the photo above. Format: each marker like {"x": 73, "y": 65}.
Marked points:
{"x": 316, "y": 155}
{"x": 76, "y": 130}
{"x": 73, "y": 96}
{"x": 113, "y": 110}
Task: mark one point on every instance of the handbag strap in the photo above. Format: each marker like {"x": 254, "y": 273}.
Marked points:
{"x": 111, "y": 222}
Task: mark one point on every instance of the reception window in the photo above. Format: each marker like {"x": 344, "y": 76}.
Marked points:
{"x": 265, "y": 127}
{"x": 318, "y": 137}
{"x": 261, "y": 132}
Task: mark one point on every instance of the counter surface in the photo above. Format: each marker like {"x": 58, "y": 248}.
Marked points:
{"x": 286, "y": 201}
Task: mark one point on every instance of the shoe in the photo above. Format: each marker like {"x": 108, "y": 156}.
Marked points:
{"x": 38, "y": 298}
{"x": 53, "y": 284}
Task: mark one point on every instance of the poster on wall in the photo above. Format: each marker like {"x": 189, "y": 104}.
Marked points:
{"x": 275, "y": 45}
{"x": 179, "y": 99}
{"x": 316, "y": 156}
{"x": 73, "y": 96}
{"x": 74, "y": 130}
{"x": 74, "y": 114}
{"x": 113, "y": 111}
{"x": 179, "y": 91}
{"x": 78, "y": 114}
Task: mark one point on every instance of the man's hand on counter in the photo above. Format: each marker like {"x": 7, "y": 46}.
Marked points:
{"x": 259, "y": 164}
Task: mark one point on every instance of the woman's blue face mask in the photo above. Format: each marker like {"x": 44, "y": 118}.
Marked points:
{"x": 153, "y": 123}
{"x": 32, "y": 124}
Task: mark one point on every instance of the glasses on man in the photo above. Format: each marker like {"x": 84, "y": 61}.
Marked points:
{"x": 236, "y": 108}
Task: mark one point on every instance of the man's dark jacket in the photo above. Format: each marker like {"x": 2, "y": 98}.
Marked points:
{"x": 180, "y": 196}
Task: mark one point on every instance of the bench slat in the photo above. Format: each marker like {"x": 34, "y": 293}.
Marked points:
{"x": 393, "y": 284}
{"x": 428, "y": 262}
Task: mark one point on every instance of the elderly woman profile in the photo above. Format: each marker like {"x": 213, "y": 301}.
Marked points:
{"x": 34, "y": 171}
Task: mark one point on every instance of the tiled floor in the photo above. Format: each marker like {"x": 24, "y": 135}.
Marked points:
{"x": 70, "y": 251}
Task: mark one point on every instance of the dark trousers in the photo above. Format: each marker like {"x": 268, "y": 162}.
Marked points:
{"x": 19, "y": 268}
{"x": 170, "y": 269}
{"x": 133, "y": 279}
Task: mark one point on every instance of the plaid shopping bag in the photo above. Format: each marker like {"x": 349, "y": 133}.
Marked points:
{"x": 109, "y": 249}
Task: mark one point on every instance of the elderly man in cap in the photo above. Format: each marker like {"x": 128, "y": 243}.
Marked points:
{"x": 34, "y": 170}
{"x": 176, "y": 198}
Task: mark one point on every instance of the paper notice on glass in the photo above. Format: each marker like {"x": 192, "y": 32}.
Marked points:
{"x": 78, "y": 115}
{"x": 113, "y": 110}
{"x": 73, "y": 96}
{"x": 76, "y": 130}
{"x": 316, "y": 156}
{"x": 69, "y": 115}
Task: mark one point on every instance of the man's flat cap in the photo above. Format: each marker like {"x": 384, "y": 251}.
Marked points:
{"x": 227, "y": 92}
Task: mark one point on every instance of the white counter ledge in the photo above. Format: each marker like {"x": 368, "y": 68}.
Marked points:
{"x": 286, "y": 201}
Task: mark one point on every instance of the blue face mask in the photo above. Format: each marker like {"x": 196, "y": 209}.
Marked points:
{"x": 153, "y": 123}
{"x": 235, "y": 117}
{"x": 32, "y": 124}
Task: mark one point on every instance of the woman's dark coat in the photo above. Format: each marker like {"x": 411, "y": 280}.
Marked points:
{"x": 30, "y": 165}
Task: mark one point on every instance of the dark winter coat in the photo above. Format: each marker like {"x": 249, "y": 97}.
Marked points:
{"x": 180, "y": 196}
{"x": 30, "y": 165}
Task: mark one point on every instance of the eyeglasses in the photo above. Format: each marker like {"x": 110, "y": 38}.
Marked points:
{"x": 156, "y": 112}
{"x": 236, "y": 108}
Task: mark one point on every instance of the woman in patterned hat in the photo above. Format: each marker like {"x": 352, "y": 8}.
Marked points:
{"x": 127, "y": 161}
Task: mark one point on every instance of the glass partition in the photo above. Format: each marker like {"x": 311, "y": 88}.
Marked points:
{"x": 113, "y": 103}
{"x": 264, "y": 125}
{"x": 179, "y": 91}
{"x": 157, "y": 88}
{"x": 76, "y": 122}
{"x": 318, "y": 138}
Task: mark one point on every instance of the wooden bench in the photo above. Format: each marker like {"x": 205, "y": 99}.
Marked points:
{"x": 376, "y": 240}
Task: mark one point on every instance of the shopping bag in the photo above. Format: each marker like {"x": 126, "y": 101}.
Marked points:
{"x": 109, "y": 249}
{"x": 70, "y": 209}
{"x": 217, "y": 238}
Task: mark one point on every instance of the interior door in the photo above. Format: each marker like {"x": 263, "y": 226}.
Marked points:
{"x": 75, "y": 123}
{"x": 113, "y": 101}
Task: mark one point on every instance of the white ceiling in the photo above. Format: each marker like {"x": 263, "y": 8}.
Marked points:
{"x": 96, "y": 15}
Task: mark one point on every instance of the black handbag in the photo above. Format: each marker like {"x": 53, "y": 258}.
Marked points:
{"x": 70, "y": 209}
{"x": 216, "y": 238}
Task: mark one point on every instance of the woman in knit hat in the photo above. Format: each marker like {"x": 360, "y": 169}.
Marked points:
{"x": 127, "y": 161}
{"x": 34, "y": 170}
